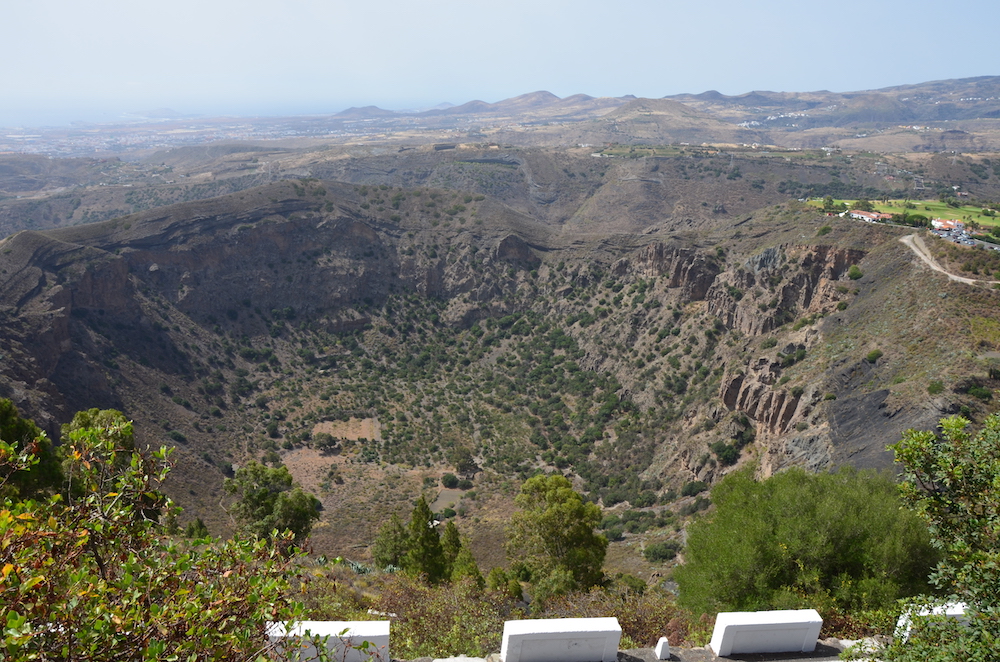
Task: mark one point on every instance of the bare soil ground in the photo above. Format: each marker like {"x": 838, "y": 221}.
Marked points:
{"x": 355, "y": 428}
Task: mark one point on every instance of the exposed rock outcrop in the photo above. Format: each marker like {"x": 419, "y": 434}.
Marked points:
{"x": 692, "y": 271}
{"x": 777, "y": 284}
{"x": 754, "y": 394}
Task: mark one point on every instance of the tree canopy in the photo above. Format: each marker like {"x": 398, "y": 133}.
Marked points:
{"x": 21, "y": 434}
{"x": 391, "y": 544}
{"x": 267, "y": 500}
{"x": 93, "y": 577}
{"x": 799, "y": 539}
{"x": 553, "y": 535}
{"x": 422, "y": 552}
{"x": 424, "y": 555}
{"x": 953, "y": 481}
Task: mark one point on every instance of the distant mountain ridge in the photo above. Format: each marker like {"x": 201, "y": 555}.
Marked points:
{"x": 957, "y": 99}
{"x": 965, "y": 98}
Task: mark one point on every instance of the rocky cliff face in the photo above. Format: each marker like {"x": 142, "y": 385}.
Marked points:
{"x": 777, "y": 286}
{"x": 761, "y": 294}
{"x": 191, "y": 303}
{"x": 690, "y": 270}
{"x": 74, "y": 298}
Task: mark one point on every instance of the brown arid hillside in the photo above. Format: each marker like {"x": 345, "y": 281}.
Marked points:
{"x": 628, "y": 291}
{"x": 641, "y": 324}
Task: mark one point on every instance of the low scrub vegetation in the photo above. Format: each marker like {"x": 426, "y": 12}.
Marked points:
{"x": 830, "y": 541}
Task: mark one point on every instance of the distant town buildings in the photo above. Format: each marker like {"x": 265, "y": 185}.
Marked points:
{"x": 869, "y": 216}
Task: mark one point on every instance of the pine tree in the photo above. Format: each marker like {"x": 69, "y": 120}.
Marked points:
{"x": 425, "y": 556}
{"x": 465, "y": 567}
{"x": 451, "y": 544}
{"x": 391, "y": 543}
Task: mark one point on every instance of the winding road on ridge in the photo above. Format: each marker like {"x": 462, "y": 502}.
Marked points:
{"x": 916, "y": 243}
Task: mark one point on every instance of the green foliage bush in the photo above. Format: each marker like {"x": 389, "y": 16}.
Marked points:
{"x": 91, "y": 575}
{"x": 873, "y": 355}
{"x": 267, "y": 501}
{"x": 693, "y": 487}
{"x": 952, "y": 481}
{"x": 727, "y": 454}
{"x": 980, "y": 392}
{"x": 443, "y": 621}
{"x": 935, "y": 387}
{"x": 854, "y": 273}
{"x": 796, "y": 539}
{"x": 553, "y": 535}
{"x": 658, "y": 552}
{"x": 45, "y": 473}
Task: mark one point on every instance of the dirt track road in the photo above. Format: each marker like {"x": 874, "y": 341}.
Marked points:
{"x": 916, "y": 243}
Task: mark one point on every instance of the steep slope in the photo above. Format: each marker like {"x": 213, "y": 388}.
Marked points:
{"x": 367, "y": 336}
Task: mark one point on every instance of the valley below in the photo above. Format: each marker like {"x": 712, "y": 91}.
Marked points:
{"x": 643, "y": 316}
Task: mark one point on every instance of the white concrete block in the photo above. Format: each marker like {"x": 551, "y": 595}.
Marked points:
{"x": 954, "y": 610}
{"x": 561, "y": 640}
{"x": 341, "y": 638}
{"x": 779, "y": 631}
{"x": 662, "y": 649}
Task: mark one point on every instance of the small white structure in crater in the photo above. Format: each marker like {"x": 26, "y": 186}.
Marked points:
{"x": 662, "y": 649}
{"x": 561, "y": 640}
{"x": 955, "y": 610}
{"x": 344, "y": 640}
{"x": 779, "y": 631}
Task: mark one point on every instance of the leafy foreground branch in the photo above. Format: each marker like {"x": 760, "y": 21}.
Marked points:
{"x": 953, "y": 480}
{"x": 89, "y": 575}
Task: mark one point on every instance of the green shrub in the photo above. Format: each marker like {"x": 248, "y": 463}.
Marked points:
{"x": 446, "y": 620}
{"x": 450, "y": 481}
{"x": 935, "y": 387}
{"x": 96, "y": 578}
{"x": 950, "y": 479}
{"x": 827, "y": 540}
{"x": 659, "y": 552}
{"x": 694, "y": 487}
{"x": 980, "y": 392}
{"x": 825, "y": 230}
{"x": 854, "y": 273}
{"x": 873, "y": 355}
{"x": 727, "y": 454}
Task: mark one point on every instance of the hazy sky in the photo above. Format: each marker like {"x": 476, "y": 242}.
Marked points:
{"x": 62, "y": 60}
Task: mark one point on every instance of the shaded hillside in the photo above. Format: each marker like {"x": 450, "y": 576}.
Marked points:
{"x": 369, "y": 336}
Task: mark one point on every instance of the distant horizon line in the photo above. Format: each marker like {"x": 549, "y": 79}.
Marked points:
{"x": 63, "y": 119}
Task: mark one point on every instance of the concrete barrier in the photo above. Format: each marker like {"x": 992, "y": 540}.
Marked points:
{"x": 781, "y": 631}
{"x": 561, "y": 640}
{"x": 341, "y": 638}
{"x": 954, "y": 610}
{"x": 662, "y": 650}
